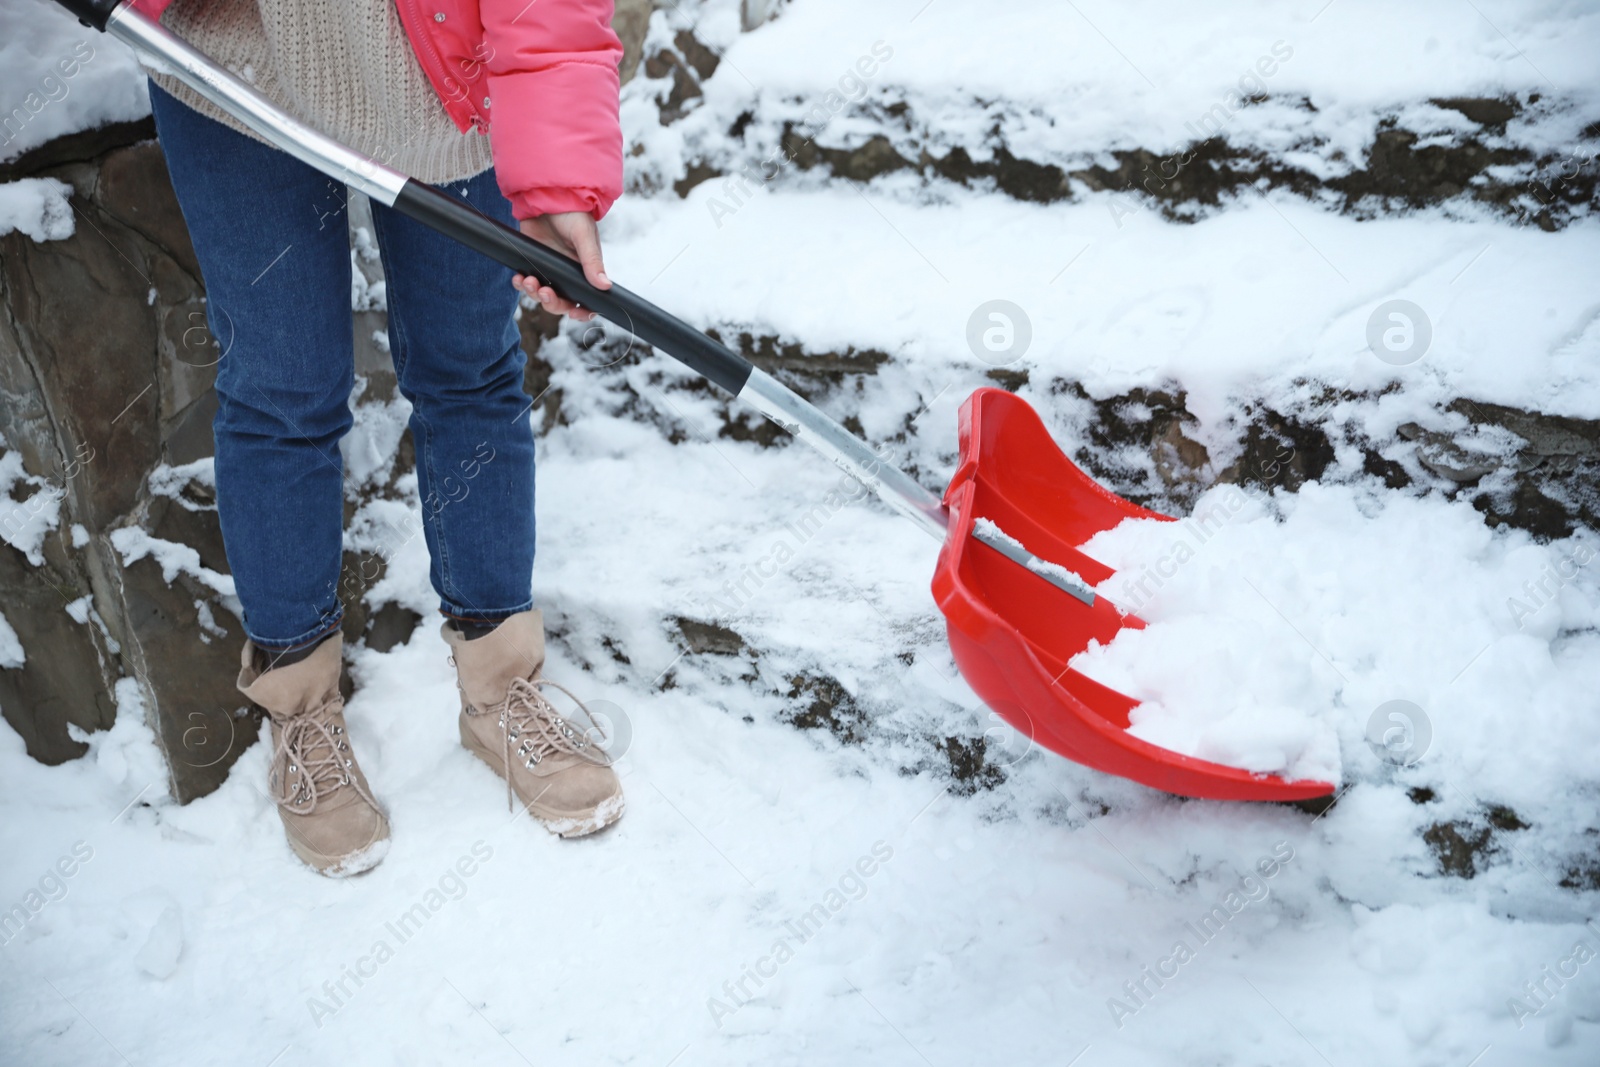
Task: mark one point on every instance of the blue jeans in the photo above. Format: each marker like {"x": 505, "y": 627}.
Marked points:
{"x": 270, "y": 234}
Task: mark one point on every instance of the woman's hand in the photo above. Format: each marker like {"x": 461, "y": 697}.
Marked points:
{"x": 575, "y": 234}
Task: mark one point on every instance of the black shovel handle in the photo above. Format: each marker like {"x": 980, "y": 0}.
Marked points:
{"x": 627, "y": 309}
{"x": 92, "y": 13}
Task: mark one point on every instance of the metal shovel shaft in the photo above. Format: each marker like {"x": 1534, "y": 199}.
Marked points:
{"x": 168, "y": 53}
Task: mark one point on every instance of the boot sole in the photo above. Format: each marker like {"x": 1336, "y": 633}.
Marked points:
{"x": 360, "y": 861}
{"x": 563, "y": 824}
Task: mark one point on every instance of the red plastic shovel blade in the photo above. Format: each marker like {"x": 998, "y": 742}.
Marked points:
{"x": 1013, "y": 633}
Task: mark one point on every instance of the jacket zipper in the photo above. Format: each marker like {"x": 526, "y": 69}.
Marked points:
{"x": 417, "y": 19}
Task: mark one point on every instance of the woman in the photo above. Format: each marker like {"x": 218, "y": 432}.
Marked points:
{"x": 416, "y": 84}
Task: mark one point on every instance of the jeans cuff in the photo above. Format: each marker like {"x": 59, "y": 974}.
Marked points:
{"x": 461, "y": 614}
{"x": 311, "y": 636}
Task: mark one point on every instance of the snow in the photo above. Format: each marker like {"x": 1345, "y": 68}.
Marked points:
{"x": 1290, "y": 620}
{"x": 365, "y": 295}
{"x": 25, "y": 522}
{"x": 58, "y": 77}
{"x": 991, "y": 530}
{"x": 12, "y": 654}
{"x": 1155, "y": 57}
{"x": 169, "y": 481}
{"x": 1248, "y": 302}
{"x": 1034, "y": 918}
{"x": 79, "y": 609}
{"x": 38, "y": 207}
{"x": 174, "y": 558}
{"x": 1053, "y": 570}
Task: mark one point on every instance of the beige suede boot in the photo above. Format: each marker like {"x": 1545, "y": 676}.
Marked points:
{"x": 555, "y": 768}
{"x": 334, "y": 824}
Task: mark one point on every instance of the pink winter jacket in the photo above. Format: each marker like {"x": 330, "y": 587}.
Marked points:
{"x": 546, "y": 70}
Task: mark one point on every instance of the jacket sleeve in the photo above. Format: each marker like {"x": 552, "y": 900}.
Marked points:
{"x": 554, "y": 126}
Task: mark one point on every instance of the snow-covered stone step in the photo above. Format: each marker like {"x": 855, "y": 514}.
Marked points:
{"x": 767, "y": 108}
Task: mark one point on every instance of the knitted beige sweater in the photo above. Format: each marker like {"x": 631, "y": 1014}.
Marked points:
{"x": 343, "y": 67}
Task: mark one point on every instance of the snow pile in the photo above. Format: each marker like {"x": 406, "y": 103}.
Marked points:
{"x": 25, "y": 522}
{"x": 38, "y": 207}
{"x": 1279, "y": 627}
{"x": 58, "y": 77}
{"x": 1134, "y": 65}
{"x": 1309, "y": 89}
{"x": 1255, "y": 302}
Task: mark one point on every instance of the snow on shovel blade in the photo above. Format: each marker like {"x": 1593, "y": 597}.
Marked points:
{"x": 1014, "y": 628}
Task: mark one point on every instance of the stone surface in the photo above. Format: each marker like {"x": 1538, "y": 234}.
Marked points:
{"x": 1543, "y": 475}
{"x": 753, "y": 13}
{"x": 69, "y": 671}
{"x": 631, "y": 19}
{"x": 95, "y": 387}
{"x": 709, "y": 638}
{"x": 186, "y": 673}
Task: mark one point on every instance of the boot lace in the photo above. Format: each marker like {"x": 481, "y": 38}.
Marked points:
{"x": 539, "y": 731}
{"x": 312, "y": 759}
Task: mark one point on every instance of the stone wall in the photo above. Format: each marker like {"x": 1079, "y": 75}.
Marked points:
{"x": 104, "y": 375}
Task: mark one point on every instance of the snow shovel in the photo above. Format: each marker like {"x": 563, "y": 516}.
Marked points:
{"x": 1015, "y": 588}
